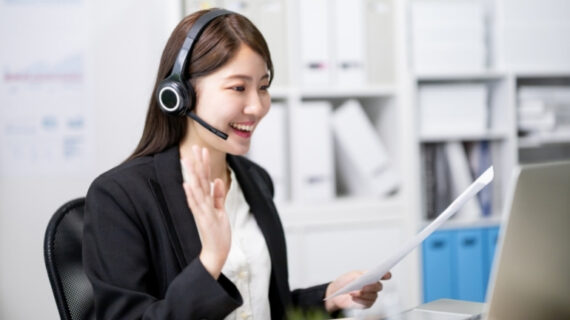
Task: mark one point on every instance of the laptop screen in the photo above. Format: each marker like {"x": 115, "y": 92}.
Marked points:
{"x": 531, "y": 278}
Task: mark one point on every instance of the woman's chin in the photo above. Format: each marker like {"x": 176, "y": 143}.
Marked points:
{"x": 240, "y": 150}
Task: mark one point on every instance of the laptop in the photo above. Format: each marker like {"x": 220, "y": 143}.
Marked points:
{"x": 531, "y": 273}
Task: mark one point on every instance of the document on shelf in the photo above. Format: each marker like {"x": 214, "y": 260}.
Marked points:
{"x": 376, "y": 274}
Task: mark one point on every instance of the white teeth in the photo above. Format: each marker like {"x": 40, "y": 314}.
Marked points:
{"x": 241, "y": 127}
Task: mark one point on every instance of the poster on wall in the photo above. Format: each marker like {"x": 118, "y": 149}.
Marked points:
{"x": 46, "y": 116}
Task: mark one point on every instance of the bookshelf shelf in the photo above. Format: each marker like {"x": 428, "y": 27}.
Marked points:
{"x": 460, "y": 76}
{"x": 544, "y": 74}
{"x": 546, "y": 139}
{"x": 433, "y": 138}
{"x": 363, "y": 92}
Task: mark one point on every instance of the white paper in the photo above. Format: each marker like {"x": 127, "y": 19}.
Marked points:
{"x": 376, "y": 274}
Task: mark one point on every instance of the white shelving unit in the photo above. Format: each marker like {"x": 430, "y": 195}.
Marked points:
{"x": 513, "y": 59}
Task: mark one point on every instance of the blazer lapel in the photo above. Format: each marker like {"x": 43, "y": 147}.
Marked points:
{"x": 182, "y": 227}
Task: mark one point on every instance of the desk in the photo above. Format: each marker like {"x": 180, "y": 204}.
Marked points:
{"x": 455, "y": 306}
{"x": 443, "y": 309}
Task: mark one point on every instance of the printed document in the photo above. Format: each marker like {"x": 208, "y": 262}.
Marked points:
{"x": 376, "y": 274}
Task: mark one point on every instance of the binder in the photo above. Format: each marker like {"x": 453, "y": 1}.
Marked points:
{"x": 438, "y": 271}
{"x": 312, "y": 152}
{"x": 456, "y": 263}
{"x": 437, "y": 180}
{"x": 428, "y": 156}
{"x": 315, "y": 39}
{"x": 380, "y": 37}
{"x": 269, "y": 148}
{"x": 470, "y": 265}
{"x": 349, "y": 42}
{"x": 444, "y": 189}
{"x": 363, "y": 161}
{"x": 480, "y": 159}
{"x": 460, "y": 179}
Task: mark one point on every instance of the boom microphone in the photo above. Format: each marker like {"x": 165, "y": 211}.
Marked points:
{"x": 206, "y": 125}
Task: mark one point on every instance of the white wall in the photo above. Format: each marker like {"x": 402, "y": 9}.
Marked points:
{"x": 127, "y": 38}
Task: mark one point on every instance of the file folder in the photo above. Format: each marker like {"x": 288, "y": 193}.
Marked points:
{"x": 349, "y": 43}
{"x": 362, "y": 158}
{"x": 461, "y": 178}
{"x": 312, "y": 152}
{"x": 315, "y": 42}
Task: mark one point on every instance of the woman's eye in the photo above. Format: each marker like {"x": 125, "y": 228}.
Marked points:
{"x": 239, "y": 88}
{"x": 264, "y": 88}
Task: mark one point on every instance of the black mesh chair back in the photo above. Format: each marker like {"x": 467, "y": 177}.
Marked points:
{"x": 63, "y": 257}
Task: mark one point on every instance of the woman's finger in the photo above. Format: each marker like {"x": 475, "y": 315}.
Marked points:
{"x": 208, "y": 170}
{"x": 195, "y": 187}
{"x": 190, "y": 197}
{"x": 191, "y": 179}
{"x": 375, "y": 287}
{"x": 362, "y": 303}
{"x": 201, "y": 170}
{"x": 369, "y": 296}
{"x": 387, "y": 276}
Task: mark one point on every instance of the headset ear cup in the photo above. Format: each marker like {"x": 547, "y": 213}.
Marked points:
{"x": 172, "y": 97}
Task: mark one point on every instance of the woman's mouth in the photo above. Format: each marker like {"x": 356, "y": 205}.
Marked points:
{"x": 242, "y": 129}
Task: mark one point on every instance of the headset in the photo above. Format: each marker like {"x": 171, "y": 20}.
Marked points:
{"x": 175, "y": 95}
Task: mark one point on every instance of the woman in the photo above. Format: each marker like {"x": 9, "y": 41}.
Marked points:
{"x": 186, "y": 228}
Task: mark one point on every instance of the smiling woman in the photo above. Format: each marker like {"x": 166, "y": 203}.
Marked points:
{"x": 186, "y": 227}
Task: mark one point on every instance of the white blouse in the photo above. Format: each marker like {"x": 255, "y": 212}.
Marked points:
{"x": 248, "y": 264}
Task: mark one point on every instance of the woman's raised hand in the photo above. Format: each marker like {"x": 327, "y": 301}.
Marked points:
{"x": 207, "y": 203}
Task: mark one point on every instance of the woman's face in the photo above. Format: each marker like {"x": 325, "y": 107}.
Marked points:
{"x": 232, "y": 99}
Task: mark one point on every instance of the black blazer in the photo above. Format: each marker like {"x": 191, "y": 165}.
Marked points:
{"x": 141, "y": 245}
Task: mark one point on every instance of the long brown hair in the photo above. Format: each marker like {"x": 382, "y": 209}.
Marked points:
{"x": 218, "y": 43}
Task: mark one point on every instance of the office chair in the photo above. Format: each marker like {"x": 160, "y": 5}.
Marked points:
{"x": 63, "y": 257}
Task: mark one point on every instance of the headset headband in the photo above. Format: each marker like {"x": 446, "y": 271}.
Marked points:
{"x": 193, "y": 34}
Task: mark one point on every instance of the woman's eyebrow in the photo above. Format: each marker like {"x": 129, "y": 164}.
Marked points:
{"x": 246, "y": 77}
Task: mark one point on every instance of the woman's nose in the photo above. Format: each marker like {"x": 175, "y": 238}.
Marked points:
{"x": 257, "y": 102}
